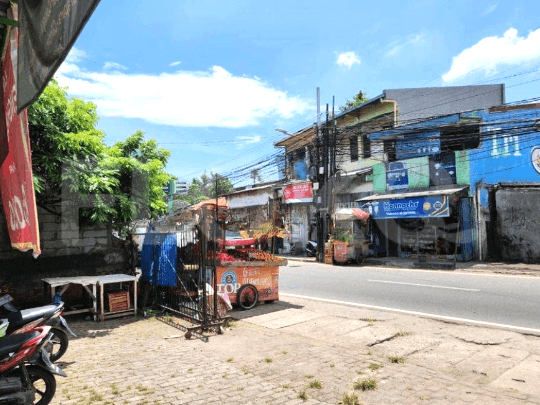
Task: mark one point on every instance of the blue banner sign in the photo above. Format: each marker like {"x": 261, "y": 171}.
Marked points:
{"x": 414, "y": 207}
{"x": 397, "y": 176}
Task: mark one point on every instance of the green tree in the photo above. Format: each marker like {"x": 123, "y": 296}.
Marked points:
{"x": 357, "y": 100}
{"x": 117, "y": 184}
{"x": 141, "y": 174}
{"x": 205, "y": 187}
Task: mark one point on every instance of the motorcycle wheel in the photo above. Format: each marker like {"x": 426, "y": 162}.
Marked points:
{"x": 58, "y": 344}
{"x": 43, "y": 384}
{"x": 359, "y": 258}
{"x": 247, "y": 297}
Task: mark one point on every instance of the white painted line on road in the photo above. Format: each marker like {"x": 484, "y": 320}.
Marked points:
{"x": 423, "y": 314}
{"x": 424, "y": 285}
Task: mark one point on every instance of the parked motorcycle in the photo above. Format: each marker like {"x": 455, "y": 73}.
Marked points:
{"x": 311, "y": 248}
{"x": 27, "y": 319}
{"x": 26, "y": 372}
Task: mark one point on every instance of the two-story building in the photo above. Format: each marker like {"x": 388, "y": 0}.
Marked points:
{"x": 352, "y": 153}
{"x": 464, "y": 184}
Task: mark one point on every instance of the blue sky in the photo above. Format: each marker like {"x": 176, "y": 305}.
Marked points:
{"x": 212, "y": 80}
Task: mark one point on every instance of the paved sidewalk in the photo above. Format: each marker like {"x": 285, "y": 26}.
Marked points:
{"x": 298, "y": 351}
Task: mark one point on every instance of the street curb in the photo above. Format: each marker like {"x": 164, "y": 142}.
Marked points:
{"x": 474, "y": 267}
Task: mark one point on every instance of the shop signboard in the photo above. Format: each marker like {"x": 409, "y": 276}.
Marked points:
{"x": 16, "y": 181}
{"x": 442, "y": 171}
{"x": 298, "y": 193}
{"x": 264, "y": 278}
{"x": 414, "y": 207}
{"x": 397, "y": 176}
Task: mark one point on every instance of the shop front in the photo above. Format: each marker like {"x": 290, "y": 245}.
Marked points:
{"x": 298, "y": 201}
{"x": 432, "y": 224}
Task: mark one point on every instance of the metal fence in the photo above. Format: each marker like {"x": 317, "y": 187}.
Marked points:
{"x": 184, "y": 282}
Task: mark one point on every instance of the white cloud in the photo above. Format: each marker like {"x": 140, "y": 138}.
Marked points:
{"x": 175, "y": 63}
{"x": 184, "y": 98}
{"x": 247, "y": 140}
{"x": 397, "y": 46}
{"x": 348, "y": 59}
{"x": 113, "y": 66}
{"x": 489, "y": 10}
{"x": 491, "y": 52}
{"x": 75, "y": 55}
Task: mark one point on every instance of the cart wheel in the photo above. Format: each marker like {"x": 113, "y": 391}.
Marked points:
{"x": 247, "y": 296}
{"x": 359, "y": 258}
{"x": 187, "y": 335}
{"x": 319, "y": 257}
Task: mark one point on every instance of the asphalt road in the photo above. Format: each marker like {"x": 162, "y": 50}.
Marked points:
{"x": 497, "y": 299}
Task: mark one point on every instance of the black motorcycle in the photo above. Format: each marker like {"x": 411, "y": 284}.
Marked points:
{"x": 21, "y": 321}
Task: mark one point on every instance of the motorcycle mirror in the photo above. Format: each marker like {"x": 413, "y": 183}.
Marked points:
{"x": 5, "y": 299}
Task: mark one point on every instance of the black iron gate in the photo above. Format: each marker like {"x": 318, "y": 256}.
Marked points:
{"x": 192, "y": 295}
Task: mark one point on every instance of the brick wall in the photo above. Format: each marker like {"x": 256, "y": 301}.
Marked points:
{"x": 67, "y": 250}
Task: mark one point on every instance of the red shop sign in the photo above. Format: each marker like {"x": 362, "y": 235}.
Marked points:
{"x": 16, "y": 182}
{"x": 298, "y": 193}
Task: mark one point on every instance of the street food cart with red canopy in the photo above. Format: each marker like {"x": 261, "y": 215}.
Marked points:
{"x": 350, "y": 237}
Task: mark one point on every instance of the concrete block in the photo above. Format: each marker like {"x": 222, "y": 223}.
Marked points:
{"x": 102, "y": 241}
{"x": 82, "y": 242}
{"x": 102, "y": 233}
{"x": 55, "y": 244}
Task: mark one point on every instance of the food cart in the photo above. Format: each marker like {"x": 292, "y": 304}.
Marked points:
{"x": 350, "y": 237}
{"x": 247, "y": 275}
{"x": 243, "y": 273}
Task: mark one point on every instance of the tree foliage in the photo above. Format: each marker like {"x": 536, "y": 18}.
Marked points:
{"x": 205, "y": 187}
{"x": 70, "y": 160}
{"x": 358, "y": 99}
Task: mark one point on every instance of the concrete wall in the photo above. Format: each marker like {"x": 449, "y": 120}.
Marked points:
{"x": 67, "y": 250}
{"x": 518, "y": 222}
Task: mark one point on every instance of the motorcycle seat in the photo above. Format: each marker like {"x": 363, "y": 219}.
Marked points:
{"x": 25, "y": 316}
{"x": 10, "y": 344}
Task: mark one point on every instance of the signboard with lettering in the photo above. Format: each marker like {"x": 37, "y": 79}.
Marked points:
{"x": 298, "y": 193}
{"x": 264, "y": 278}
{"x": 414, "y": 207}
{"x": 16, "y": 181}
{"x": 397, "y": 176}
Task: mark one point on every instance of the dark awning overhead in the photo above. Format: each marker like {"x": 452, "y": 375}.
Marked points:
{"x": 47, "y": 31}
{"x": 425, "y": 193}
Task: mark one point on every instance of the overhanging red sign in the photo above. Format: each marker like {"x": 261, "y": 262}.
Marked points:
{"x": 298, "y": 193}
{"x": 16, "y": 182}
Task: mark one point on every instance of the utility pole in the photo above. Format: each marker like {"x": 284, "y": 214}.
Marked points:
{"x": 320, "y": 178}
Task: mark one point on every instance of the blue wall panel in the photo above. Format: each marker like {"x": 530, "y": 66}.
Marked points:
{"x": 508, "y": 150}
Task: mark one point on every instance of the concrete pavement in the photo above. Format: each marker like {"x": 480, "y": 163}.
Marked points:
{"x": 299, "y": 351}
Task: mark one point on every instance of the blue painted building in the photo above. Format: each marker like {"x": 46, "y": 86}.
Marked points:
{"x": 505, "y": 181}
{"x": 465, "y": 184}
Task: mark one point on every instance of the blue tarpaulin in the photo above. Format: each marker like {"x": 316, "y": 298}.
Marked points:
{"x": 158, "y": 259}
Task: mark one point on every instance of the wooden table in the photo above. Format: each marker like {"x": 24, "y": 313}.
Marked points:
{"x": 117, "y": 278}
{"x": 93, "y": 282}
{"x": 66, "y": 282}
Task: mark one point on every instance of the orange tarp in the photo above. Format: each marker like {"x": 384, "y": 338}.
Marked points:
{"x": 210, "y": 204}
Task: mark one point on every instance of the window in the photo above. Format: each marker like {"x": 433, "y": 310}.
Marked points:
{"x": 460, "y": 137}
{"x": 366, "y": 147}
{"x": 353, "y": 141}
{"x": 390, "y": 149}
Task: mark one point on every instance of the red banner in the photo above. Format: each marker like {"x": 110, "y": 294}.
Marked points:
{"x": 16, "y": 183}
{"x": 298, "y": 193}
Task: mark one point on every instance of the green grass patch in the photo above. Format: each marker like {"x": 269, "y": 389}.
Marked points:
{"x": 350, "y": 399}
